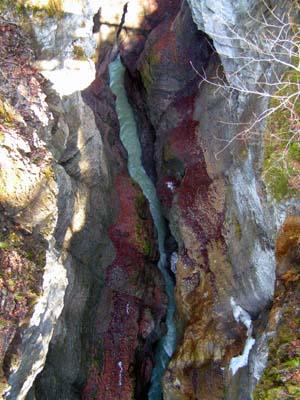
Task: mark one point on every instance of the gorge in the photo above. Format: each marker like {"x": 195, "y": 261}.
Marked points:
{"x": 150, "y": 213}
{"x": 130, "y": 140}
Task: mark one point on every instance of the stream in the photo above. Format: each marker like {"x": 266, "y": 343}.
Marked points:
{"x": 130, "y": 140}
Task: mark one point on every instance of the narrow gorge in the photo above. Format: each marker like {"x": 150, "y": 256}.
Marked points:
{"x": 149, "y": 200}
{"x": 130, "y": 140}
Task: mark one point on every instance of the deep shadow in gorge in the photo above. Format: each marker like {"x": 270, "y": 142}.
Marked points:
{"x": 94, "y": 335}
{"x": 87, "y": 247}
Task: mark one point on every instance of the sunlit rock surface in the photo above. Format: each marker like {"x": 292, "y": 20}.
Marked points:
{"x": 107, "y": 262}
{"x": 31, "y": 273}
{"x": 235, "y": 28}
{"x": 65, "y": 44}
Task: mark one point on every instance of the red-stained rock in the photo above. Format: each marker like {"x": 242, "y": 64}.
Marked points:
{"x": 137, "y": 302}
{"x": 129, "y": 313}
{"x": 193, "y": 198}
{"x": 281, "y": 376}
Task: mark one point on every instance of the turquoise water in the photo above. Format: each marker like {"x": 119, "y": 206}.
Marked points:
{"x": 129, "y": 138}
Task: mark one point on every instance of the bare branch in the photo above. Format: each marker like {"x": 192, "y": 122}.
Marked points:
{"x": 273, "y": 49}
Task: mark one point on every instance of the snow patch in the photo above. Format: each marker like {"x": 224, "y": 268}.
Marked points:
{"x": 174, "y": 259}
{"x": 121, "y": 369}
{"x": 241, "y": 315}
{"x": 242, "y": 361}
{"x": 170, "y": 185}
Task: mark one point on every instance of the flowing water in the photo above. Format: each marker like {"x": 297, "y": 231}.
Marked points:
{"x": 130, "y": 140}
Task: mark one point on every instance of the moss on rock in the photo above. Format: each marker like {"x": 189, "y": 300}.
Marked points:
{"x": 282, "y": 148}
{"x": 281, "y": 378}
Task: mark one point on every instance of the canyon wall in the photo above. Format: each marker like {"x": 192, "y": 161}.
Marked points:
{"x": 101, "y": 309}
{"x": 219, "y": 213}
{"x": 79, "y": 230}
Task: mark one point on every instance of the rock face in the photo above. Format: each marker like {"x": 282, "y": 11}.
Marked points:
{"x": 100, "y": 282}
{"x": 213, "y": 199}
{"x": 82, "y": 301}
{"x": 31, "y": 272}
{"x": 281, "y": 379}
{"x": 238, "y": 34}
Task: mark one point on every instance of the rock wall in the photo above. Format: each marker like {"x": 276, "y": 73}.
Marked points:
{"x": 71, "y": 214}
{"x": 281, "y": 378}
{"x": 97, "y": 321}
{"x": 32, "y": 273}
{"x": 213, "y": 196}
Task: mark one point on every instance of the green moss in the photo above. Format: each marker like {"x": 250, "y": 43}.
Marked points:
{"x": 23, "y": 263}
{"x": 17, "y": 8}
{"x": 272, "y": 394}
{"x": 6, "y": 113}
{"x": 282, "y": 147}
{"x": 11, "y": 284}
{"x": 3, "y": 323}
{"x": 277, "y": 180}
{"x": 167, "y": 152}
{"x": 146, "y": 70}
{"x": 146, "y": 76}
{"x": 4, "y": 5}
{"x": 48, "y": 172}
{"x": 285, "y": 335}
{"x": 294, "y": 390}
{"x": 237, "y": 228}
{"x": 277, "y": 382}
{"x": 140, "y": 204}
{"x": 294, "y": 363}
{"x": 14, "y": 239}
{"x": 55, "y": 8}
{"x": 79, "y": 53}
{"x": 172, "y": 165}
{"x": 19, "y": 297}
{"x": 147, "y": 248}
{"x": 141, "y": 232}
{"x": 294, "y": 151}
{"x": 142, "y": 239}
